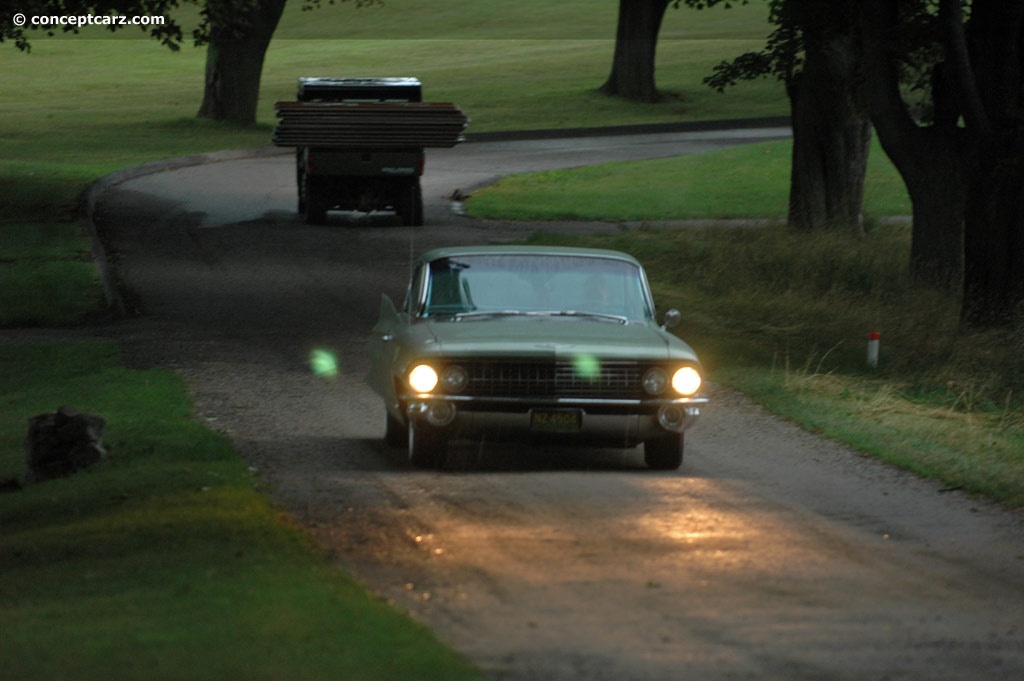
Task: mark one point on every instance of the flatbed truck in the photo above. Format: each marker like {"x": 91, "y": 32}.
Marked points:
{"x": 360, "y": 144}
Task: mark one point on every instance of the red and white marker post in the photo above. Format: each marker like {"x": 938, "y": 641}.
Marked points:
{"x": 874, "y": 340}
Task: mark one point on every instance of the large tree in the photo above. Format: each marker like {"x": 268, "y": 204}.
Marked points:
{"x": 922, "y": 137}
{"x": 237, "y": 34}
{"x": 964, "y": 166}
{"x": 816, "y": 53}
{"x": 636, "y": 41}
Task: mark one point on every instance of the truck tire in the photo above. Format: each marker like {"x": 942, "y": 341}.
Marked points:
{"x": 300, "y": 181}
{"x": 313, "y": 201}
{"x": 409, "y": 204}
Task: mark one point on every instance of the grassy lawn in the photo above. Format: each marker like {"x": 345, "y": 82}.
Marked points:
{"x": 166, "y": 561}
{"x": 749, "y": 181}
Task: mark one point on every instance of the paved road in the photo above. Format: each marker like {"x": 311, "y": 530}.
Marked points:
{"x": 771, "y": 554}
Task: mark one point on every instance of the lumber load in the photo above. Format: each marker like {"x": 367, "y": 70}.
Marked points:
{"x": 369, "y": 124}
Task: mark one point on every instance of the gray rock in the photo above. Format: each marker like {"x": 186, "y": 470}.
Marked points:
{"x": 61, "y": 443}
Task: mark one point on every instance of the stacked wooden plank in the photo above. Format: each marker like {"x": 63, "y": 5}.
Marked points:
{"x": 369, "y": 124}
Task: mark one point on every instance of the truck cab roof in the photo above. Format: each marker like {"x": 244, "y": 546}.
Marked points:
{"x": 359, "y": 89}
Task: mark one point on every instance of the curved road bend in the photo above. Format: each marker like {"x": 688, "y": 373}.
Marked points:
{"x": 772, "y": 554}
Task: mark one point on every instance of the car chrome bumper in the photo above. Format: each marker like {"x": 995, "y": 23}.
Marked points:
{"x": 617, "y": 422}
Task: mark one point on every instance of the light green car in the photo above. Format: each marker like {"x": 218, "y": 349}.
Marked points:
{"x": 537, "y": 344}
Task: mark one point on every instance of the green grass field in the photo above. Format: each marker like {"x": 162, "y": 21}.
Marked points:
{"x": 749, "y": 181}
{"x": 167, "y": 560}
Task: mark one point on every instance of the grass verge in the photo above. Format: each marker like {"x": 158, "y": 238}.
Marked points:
{"x": 47, "y": 277}
{"x": 164, "y": 561}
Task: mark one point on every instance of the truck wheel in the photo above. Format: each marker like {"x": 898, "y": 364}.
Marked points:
{"x": 315, "y": 205}
{"x": 300, "y": 181}
{"x": 409, "y": 204}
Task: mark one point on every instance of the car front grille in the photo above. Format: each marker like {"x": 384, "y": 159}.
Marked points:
{"x": 582, "y": 379}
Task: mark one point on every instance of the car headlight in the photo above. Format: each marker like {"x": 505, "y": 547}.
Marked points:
{"x": 454, "y": 379}
{"x": 686, "y": 381}
{"x": 423, "y": 378}
{"x": 655, "y": 381}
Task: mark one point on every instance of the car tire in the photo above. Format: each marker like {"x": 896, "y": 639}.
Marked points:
{"x": 664, "y": 453}
{"x": 396, "y": 433}
{"x": 426, "y": 445}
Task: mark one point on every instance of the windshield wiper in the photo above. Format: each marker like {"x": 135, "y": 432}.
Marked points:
{"x": 618, "y": 319}
{"x": 488, "y": 313}
{"x": 578, "y": 313}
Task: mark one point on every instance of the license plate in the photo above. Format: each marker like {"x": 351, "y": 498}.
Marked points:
{"x": 556, "y": 421}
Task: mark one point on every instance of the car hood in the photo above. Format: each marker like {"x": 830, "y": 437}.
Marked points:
{"x": 557, "y": 337}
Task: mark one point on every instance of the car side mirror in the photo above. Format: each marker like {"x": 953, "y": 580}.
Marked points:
{"x": 672, "y": 319}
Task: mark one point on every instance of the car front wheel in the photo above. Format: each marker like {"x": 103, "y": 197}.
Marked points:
{"x": 426, "y": 445}
{"x": 396, "y": 434}
{"x": 664, "y": 453}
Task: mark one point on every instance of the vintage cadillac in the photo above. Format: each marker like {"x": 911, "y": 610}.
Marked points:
{"x": 536, "y": 344}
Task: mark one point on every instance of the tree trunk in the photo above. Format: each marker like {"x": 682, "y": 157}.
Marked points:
{"x": 938, "y": 195}
{"x": 978, "y": 134}
{"x": 831, "y": 137}
{"x": 931, "y": 160}
{"x": 994, "y": 240}
{"x": 994, "y": 236}
{"x": 234, "y": 64}
{"x": 636, "y": 40}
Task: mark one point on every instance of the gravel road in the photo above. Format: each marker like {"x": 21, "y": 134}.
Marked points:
{"x": 772, "y": 554}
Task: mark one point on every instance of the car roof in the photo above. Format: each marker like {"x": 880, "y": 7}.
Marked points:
{"x": 513, "y": 249}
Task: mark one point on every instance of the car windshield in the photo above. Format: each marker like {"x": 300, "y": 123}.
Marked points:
{"x": 532, "y": 284}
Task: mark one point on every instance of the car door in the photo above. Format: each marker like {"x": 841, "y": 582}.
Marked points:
{"x": 383, "y": 349}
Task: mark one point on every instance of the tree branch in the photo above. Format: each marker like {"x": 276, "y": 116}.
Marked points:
{"x": 889, "y": 111}
{"x": 958, "y": 62}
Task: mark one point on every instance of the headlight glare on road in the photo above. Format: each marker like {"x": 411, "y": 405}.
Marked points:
{"x": 686, "y": 381}
{"x": 423, "y": 378}
{"x": 655, "y": 381}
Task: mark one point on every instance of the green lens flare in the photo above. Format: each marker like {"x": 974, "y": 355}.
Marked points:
{"x": 587, "y": 366}
{"x": 323, "y": 363}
